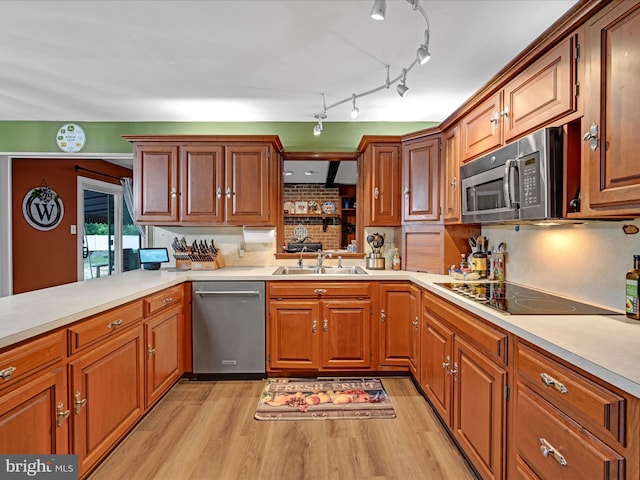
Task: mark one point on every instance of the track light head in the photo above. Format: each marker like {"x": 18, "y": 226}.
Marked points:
{"x": 402, "y": 87}
{"x": 423, "y": 54}
{"x": 379, "y": 9}
{"x": 317, "y": 130}
{"x": 355, "y": 111}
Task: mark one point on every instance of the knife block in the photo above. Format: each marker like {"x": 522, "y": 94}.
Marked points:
{"x": 181, "y": 262}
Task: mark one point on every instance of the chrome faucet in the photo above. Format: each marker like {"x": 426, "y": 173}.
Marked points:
{"x": 304, "y": 249}
{"x": 321, "y": 257}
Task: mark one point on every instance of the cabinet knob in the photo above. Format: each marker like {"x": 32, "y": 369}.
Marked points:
{"x": 548, "y": 450}
{"x": 592, "y": 137}
{"x": 505, "y": 113}
{"x": 454, "y": 183}
{"x": 383, "y": 316}
{"x": 406, "y": 192}
{"x": 79, "y": 403}
{"x": 494, "y": 122}
{"x": 325, "y": 325}
{"x": 168, "y": 300}
{"x": 228, "y": 192}
{"x": 319, "y": 291}
{"x": 446, "y": 363}
{"x": 376, "y": 193}
{"x": 150, "y": 350}
{"x": 454, "y": 371}
{"x": 174, "y": 193}
{"x": 62, "y": 414}
{"x": 218, "y": 193}
{"x": 314, "y": 326}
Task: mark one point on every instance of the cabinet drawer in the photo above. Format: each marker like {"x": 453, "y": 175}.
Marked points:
{"x": 315, "y": 290}
{"x": 473, "y": 328}
{"x": 18, "y": 362}
{"x": 163, "y": 299}
{"x": 103, "y": 325}
{"x": 575, "y": 395}
{"x": 539, "y": 426}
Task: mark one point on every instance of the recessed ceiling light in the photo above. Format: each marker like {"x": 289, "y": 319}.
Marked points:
{"x": 286, "y": 173}
{"x": 309, "y": 172}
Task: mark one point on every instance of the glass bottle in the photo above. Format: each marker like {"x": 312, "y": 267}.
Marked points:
{"x": 631, "y": 294}
{"x": 479, "y": 262}
{"x": 395, "y": 265}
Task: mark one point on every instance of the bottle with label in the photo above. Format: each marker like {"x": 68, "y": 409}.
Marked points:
{"x": 479, "y": 262}
{"x": 632, "y": 308}
{"x": 395, "y": 263}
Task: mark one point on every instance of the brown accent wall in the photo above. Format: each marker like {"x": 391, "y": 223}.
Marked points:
{"x": 45, "y": 259}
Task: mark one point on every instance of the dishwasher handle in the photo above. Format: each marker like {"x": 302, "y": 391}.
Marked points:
{"x": 249, "y": 293}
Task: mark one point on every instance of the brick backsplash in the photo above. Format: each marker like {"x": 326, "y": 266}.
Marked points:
{"x": 317, "y": 192}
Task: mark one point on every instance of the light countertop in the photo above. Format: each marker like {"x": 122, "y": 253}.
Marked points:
{"x": 605, "y": 346}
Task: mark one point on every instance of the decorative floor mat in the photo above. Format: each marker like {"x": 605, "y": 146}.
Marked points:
{"x": 323, "y": 398}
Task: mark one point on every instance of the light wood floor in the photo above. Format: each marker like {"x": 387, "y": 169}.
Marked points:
{"x": 206, "y": 431}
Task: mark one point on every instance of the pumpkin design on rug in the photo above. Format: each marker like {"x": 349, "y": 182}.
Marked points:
{"x": 323, "y": 398}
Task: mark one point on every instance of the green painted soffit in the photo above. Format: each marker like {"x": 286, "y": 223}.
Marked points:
{"x": 106, "y": 137}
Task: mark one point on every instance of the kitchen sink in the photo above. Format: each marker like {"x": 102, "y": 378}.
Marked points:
{"x": 320, "y": 271}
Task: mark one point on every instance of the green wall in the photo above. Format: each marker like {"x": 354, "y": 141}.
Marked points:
{"x": 105, "y": 137}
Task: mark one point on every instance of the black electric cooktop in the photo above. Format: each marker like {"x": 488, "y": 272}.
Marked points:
{"x": 516, "y": 300}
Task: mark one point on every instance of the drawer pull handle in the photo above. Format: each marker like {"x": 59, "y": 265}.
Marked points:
{"x": 168, "y": 300}
{"x": 319, "y": 291}
{"x": 79, "y": 403}
{"x": 549, "y": 381}
{"x": 7, "y": 372}
{"x": 547, "y": 450}
{"x": 454, "y": 372}
{"x": 115, "y": 324}
{"x": 62, "y": 414}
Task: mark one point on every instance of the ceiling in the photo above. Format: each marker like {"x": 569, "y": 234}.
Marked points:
{"x": 262, "y": 60}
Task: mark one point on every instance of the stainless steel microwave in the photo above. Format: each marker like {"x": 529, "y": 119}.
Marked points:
{"x": 521, "y": 181}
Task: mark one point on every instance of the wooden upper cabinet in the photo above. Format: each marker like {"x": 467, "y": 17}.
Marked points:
{"x": 481, "y": 130}
{"x": 248, "y": 184}
{"x": 201, "y": 184}
{"x": 420, "y": 179}
{"x": 381, "y": 180}
{"x": 543, "y": 92}
{"x": 155, "y": 183}
{"x": 205, "y": 179}
{"x": 611, "y": 170}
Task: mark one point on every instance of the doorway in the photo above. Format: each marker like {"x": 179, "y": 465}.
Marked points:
{"x": 108, "y": 240}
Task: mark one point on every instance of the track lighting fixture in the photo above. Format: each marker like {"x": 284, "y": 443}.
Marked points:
{"x": 355, "y": 111}
{"x": 422, "y": 56}
{"x": 379, "y": 9}
{"x": 423, "y": 52}
{"x": 402, "y": 87}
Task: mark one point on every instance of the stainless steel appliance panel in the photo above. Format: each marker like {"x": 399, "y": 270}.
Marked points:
{"x": 228, "y": 327}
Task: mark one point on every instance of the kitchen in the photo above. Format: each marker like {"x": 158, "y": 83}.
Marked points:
{"x": 542, "y": 257}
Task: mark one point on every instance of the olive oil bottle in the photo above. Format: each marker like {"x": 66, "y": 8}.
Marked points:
{"x": 632, "y": 286}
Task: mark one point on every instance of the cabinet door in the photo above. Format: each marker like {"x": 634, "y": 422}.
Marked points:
{"x": 29, "y": 420}
{"x": 293, "y": 334}
{"x": 107, "y": 395}
{"x": 543, "y": 92}
{"x": 613, "y": 169}
{"x": 247, "y": 185}
{"x": 482, "y": 128}
{"x": 479, "y": 408}
{"x": 385, "y": 191}
{"x": 420, "y": 179}
{"x": 398, "y": 304}
{"x": 201, "y": 184}
{"x": 437, "y": 343}
{"x": 163, "y": 336}
{"x": 155, "y": 183}
{"x": 346, "y": 334}
{"x": 451, "y": 180}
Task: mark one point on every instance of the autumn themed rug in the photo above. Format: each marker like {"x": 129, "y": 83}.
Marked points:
{"x": 323, "y": 399}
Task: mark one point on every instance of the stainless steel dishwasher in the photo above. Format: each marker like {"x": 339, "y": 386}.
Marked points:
{"x": 228, "y": 329}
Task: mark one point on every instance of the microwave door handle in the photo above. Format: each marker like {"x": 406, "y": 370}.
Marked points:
{"x": 506, "y": 183}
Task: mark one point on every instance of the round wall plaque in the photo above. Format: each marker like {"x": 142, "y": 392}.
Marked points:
{"x": 71, "y": 138}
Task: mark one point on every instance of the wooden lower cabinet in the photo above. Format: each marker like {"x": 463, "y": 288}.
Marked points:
{"x": 320, "y": 334}
{"x": 399, "y": 341}
{"x": 106, "y": 394}
{"x": 34, "y": 415}
{"x": 163, "y": 339}
{"x": 464, "y": 375}
{"x": 319, "y": 327}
